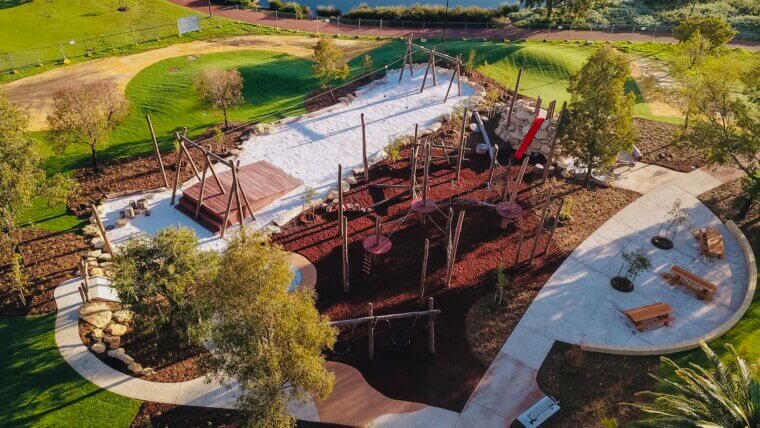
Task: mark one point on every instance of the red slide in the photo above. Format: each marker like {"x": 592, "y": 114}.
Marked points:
{"x": 529, "y": 137}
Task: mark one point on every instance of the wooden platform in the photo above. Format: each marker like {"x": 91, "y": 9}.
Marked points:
{"x": 262, "y": 183}
{"x": 652, "y": 315}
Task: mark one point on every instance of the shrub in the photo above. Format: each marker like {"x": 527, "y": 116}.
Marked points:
{"x": 393, "y": 149}
{"x": 428, "y": 13}
{"x": 291, "y": 7}
{"x": 328, "y": 11}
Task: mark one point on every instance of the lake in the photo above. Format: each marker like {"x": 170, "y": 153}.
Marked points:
{"x": 346, "y": 5}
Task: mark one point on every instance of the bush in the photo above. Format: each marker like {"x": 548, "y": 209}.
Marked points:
{"x": 429, "y": 13}
{"x": 328, "y": 11}
{"x": 293, "y": 8}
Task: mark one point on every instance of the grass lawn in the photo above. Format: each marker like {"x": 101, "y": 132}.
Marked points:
{"x": 40, "y": 389}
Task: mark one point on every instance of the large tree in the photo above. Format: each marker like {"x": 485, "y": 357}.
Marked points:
{"x": 724, "y": 122}
{"x": 599, "y": 120}
{"x": 21, "y": 180}
{"x": 721, "y": 395}
{"x": 159, "y": 277}
{"x": 86, "y": 114}
{"x": 222, "y": 89}
{"x": 267, "y": 339}
{"x": 713, "y": 28}
{"x": 329, "y": 63}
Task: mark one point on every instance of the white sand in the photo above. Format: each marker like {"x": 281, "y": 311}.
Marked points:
{"x": 311, "y": 147}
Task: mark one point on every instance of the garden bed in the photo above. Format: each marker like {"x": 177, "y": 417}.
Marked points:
{"x": 659, "y": 146}
{"x": 726, "y": 200}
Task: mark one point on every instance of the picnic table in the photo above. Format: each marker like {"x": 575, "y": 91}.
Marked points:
{"x": 710, "y": 243}
{"x": 652, "y": 315}
{"x": 681, "y": 276}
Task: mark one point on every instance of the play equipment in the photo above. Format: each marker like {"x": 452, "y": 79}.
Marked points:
{"x": 529, "y": 137}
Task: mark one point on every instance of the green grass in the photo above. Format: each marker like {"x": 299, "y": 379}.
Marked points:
{"x": 40, "y": 389}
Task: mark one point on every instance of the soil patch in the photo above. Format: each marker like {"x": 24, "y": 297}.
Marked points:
{"x": 49, "y": 258}
{"x": 726, "y": 201}
{"x": 658, "y": 145}
{"x": 591, "y": 386}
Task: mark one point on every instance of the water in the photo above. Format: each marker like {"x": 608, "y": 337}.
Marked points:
{"x": 346, "y": 5}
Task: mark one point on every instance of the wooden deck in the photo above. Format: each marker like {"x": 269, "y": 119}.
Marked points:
{"x": 262, "y": 183}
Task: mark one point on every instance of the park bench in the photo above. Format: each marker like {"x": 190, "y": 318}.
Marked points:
{"x": 710, "y": 243}
{"x": 539, "y": 412}
{"x": 652, "y": 315}
{"x": 680, "y": 276}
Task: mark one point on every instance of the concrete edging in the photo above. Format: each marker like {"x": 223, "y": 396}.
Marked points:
{"x": 749, "y": 257}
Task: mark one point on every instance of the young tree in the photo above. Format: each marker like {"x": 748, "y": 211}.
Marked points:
{"x": 723, "y": 394}
{"x": 223, "y": 89}
{"x": 599, "y": 122}
{"x": 159, "y": 277}
{"x": 723, "y": 123}
{"x": 86, "y": 114}
{"x": 267, "y": 339}
{"x": 691, "y": 52}
{"x": 714, "y": 28}
{"x": 367, "y": 63}
{"x": 329, "y": 63}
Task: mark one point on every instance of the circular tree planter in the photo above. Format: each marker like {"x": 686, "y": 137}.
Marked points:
{"x": 621, "y": 283}
{"x": 662, "y": 243}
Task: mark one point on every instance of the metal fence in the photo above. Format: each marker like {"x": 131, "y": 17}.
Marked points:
{"x": 76, "y": 47}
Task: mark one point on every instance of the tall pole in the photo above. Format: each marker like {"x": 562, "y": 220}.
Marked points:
{"x": 341, "y": 230}
{"x": 209, "y": 8}
{"x": 445, "y": 20}
{"x": 364, "y": 151}
{"x": 424, "y": 269}
{"x": 158, "y": 152}
{"x": 371, "y": 333}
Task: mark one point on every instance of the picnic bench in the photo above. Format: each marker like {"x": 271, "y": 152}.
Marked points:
{"x": 710, "y": 243}
{"x": 681, "y": 276}
{"x": 650, "y": 315}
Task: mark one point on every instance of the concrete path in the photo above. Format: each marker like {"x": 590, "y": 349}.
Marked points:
{"x": 578, "y": 306}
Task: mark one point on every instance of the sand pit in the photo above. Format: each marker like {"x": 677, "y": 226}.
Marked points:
{"x": 35, "y": 93}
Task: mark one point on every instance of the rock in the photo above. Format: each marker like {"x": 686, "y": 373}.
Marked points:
{"x": 97, "y": 314}
{"x": 147, "y": 371}
{"x": 113, "y": 341}
{"x": 523, "y": 115}
{"x": 332, "y": 194}
{"x": 97, "y": 271}
{"x": 271, "y": 229}
{"x": 105, "y": 265}
{"x": 90, "y": 231}
{"x": 97, "y": 334}
{"x": 116, "y": 353}
{"x": 126, "y": 359}
{"x": 97, "y": 243}
{"x": 541, "y": 134}
{"x": 352, "y": 180}
{"x": 121, "y": 222}
{"x": 123, "y": 316}
{"x": 98, "y": 348}
{"x": 94, "y": 254}
{"x": 135, "y": 368}
{"x": 446, "y": 117}
{"x": 105, "y": 257}
{"x": 116, "y": 329}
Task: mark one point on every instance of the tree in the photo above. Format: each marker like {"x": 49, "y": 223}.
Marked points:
{"x": 329, "y": 63}
{"x": 714, "y": 28}
{"x": 367, "y": 64}
{"x": 21, "y": 181}
{"x": 691, "y": 52}
{"x": 86, "y": 114}
{"x": 576, "y": 7}
{"x": 599, "y": 122}
{"x": 718, "y": 395}
{"x": 723, "y": 123}
{"x": 159, "y": 277}
{"x": 222, "y": 89}
{"x": 267, "y": 339}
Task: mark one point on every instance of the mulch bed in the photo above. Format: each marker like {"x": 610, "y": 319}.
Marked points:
{"x": 591, "y": 386}
{"x": 658, "y": 145}
{"x": 49, "y": 258}
{"x": 407, "y": 371}
{"x": 726, "y": 200}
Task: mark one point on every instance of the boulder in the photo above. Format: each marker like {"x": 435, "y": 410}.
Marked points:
{"x": 97, "y": 314}
{"x": 135, "y": 368}
{"x": 126, "y": 359}
{"x": 147, "y": 371}
{"x": 116, "y": 353}
{"x": 105, "y": 257}
{"x": 97, "y": 243}
{"x": 94, "y": 254}
{"x": 113, "y": 341}
{"x": 96, "y": 271}
{"x": 97, "y": 334}
{"x": 90, "y": 231}
{"x": 98, "y": 348}
{"x": 116, "y": 329}
{"x": 351, "y": 180}
{"x": 123, "y": 316}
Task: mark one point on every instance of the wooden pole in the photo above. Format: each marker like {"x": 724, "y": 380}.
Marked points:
{"x": 460, "y": 155}
{"x": 407, "y": 58}
{"x": 245, "y": 198}
{"x": 539, "y": 229}
{"x": 454, "y": 74}
{"x": 427, "y": 70}
{"x": 492, "y": 169}
{"x": 190, "y": 158}
{"x": 413, "y": 179}
{"x": 203, "y": 188}
{"x": 453, "y": 257}
{"x": 519, "y": 247}
{"x": 431, "y": 327}
{"x": 340, "y": 200}
{"x": 178, "y": 167}
{"x": 554, "y": 225}
{"x": 344, "y": 222}
{"x": 99, "y": 223}
{"x": 229, "y": 208}
{"x": 372, "y": 333}
{"x": 550, "y": 158}
{"x": 459, "y": 75}
{"x": 449, "y": 224}
{"x": 364, "y": 151}
{"x": 519, "y": 179}
{"x": 235, "y": 189}
{"x": 425, "y": 253}
{"x": 81, "y": 295}
{"x": 432, "y": 57}
{"x": 213, "y": 172}
{"x": 514, "y": 98}
{"x": 426, "y": 172}
{"x": 377, "y": 229}
{"x": 158, "y": 152}
{"x": 537, "y": 109}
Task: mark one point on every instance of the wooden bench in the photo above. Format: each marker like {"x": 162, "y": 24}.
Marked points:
{"x": 681, "y": 276}
{"x": 710, "y": 243}
{"x": 650, "y": 315}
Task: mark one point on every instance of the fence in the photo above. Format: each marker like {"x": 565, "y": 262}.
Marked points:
{"x": 64, "y": 51}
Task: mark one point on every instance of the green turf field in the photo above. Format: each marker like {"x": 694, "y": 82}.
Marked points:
{"x": 40, "y": 389}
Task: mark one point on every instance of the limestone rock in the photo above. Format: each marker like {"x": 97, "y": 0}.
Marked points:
{"x": 116, "y": 329}
{"x": 135, "y": 368}
{"x": 105, "y": 257}
{"x": 97, "y": 334}
{"x": 97, "y": 314}
{"x": 90, "y": 231}
{"x": 147, "y": 371}
{"x": 98, "y": 348}
{"x": 113, "y": 341}
{"x": 351, "y": 180}
{"x": 116, "y": 353}
{"x": 126, "y": 359}
{"x": 94, "y": 254}
{"x": 123, "y": 316}
{"x": 96, "y": 271}
{"x": 97, "y": 243}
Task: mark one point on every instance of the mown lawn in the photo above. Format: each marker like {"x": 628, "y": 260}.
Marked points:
{"x": 39, "y": 388}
